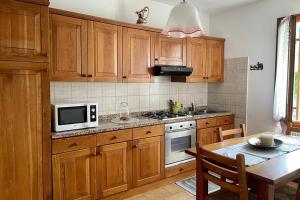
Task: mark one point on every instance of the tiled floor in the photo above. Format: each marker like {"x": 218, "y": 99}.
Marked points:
{"x": 168, "y": 192}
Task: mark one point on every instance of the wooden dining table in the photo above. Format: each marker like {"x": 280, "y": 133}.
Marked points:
{"x": 264, "y": 177}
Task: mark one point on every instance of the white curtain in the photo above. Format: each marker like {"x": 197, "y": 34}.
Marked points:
{"x": 281, "y": 84}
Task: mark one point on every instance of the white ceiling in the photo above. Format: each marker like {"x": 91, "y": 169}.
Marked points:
{"x": 212, "y": 6}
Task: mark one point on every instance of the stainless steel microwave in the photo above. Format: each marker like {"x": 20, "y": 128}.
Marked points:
{"x": 71, "y": 116}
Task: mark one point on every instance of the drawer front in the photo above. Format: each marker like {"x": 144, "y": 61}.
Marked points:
{"x": 206, "y": 123}
{"x": 114, "y": 137}
{"x": 224, "y": 120}
{"x": 148, "y": 131}
{"x": 181, "y": 168}
{"x": 73, "y": 143}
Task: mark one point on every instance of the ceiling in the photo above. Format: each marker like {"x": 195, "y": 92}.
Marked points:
{"x": 212, "y": 6}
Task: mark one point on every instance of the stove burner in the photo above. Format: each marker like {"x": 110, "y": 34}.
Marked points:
{"x": 162, "y": 115}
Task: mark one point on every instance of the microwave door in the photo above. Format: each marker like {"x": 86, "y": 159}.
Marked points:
{"x": 72, "y": 115}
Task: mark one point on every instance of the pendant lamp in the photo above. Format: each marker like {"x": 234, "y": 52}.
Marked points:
{"x": 184, "y": 22}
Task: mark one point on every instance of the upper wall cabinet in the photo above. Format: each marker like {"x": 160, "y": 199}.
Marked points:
{"x": 104, "y": 52}
{"x": 196, "y": 58}
{"x": 68, "y": 48}
{"x": 23, "y": 32}
{"x": 138, "y": 55}
{"x": 170, "y": 51}
{"x": 215, "y": 60}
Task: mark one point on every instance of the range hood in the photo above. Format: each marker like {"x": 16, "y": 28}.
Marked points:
{"x": 172, "y": 70}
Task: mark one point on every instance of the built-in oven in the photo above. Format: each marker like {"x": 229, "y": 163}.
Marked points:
{"x": 179, "y": 137}
{"x": 70, "y": 116}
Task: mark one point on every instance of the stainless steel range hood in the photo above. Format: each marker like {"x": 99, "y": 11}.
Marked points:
{"x": 172, "y": 70}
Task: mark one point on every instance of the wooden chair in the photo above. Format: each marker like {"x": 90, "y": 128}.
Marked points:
{"x": 230, "y": 176}
{"x": 232, "y": 132}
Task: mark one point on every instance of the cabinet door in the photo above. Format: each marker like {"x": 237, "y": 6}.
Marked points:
{"x": 41, "y": 2}
{"x": 23, "y": 32}
{"x": 215, "y": 60}
{"x": 68, "y": 48}
{"x": 196, "y": 58}
{"x": 105, "y": 52}
{"x": 74, "y": 175}
{"x": 138, "y": 55}
{"x": 170, "y": 51}
{"x": 21, "y": 170}
{"x": 207, "y": 136}
{"x": 114, "y": 169}
{"x": 148, "y": 162}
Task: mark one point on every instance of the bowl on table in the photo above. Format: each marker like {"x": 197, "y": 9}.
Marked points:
{"x": 265, "y": 142}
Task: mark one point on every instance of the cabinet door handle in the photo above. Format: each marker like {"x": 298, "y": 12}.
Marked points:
{"x": 124, "y": 77}
{"x": 156, "y": 59}
{"x": 148, "y": 132}
{"x": 206, "y": 123}
{"x": 114, "y": 137}
{"x": 73, "y": 145}
{"x": 181, "y": 169}
{"x": 90, "y": 75}
{"x": 134, "y": 146}
{"x": 83, "y": 75}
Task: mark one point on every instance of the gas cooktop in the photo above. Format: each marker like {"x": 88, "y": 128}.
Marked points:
{"x": 162, "y": 115}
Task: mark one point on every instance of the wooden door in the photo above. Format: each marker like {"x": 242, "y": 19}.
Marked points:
{"x": 104, "y": 52}
{"x": 138, "y": 55}
{"x": 68, "y": 48}
{"x": 170, "y": 51}
{"x": 196, "y": 58}
{"x": 215, "y": 60}
{"x": 21, "y": 132}
{"x": 23, "y": 32}
{"x": 114, "y": 169}
{"x": 207, "y": 136}
{"x": 74, "y": 175}
{"x": 147, "y": 159}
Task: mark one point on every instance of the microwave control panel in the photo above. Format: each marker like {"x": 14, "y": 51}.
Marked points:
{"x": 93, "y": 113}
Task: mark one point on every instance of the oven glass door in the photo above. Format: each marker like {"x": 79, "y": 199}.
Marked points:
{"x": 72, "y": 115}
{"x": 177, "y": 143}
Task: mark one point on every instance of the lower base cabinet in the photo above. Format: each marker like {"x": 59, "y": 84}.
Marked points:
{"x": 113, "y": 168}
{"x": 74, "y": 175}
{"x": 148, "y": 155}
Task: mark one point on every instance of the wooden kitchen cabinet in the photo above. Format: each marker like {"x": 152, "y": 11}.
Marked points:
{"x": 148, "y": 160}
{"x": 170, "y": 51}
{"x": 74, "y": 175}
{"x": 138, "y": 55}
{"x": 40, "y": 2}
{"x": 197, "y": 59}
{"x": 24, "y": 132}
{"x": 23, "y": 32}
{"x": 105, "y": 52}
{"x": 207, "y": 136}
{"x": 114, "y": 165}
{"x": 215, "y": 61}
{"x": 68, "y": 48}
{"x": 207, "y": 128}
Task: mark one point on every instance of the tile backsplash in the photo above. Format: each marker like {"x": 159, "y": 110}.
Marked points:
{"x": 232, "y": 94}
{"x": 140, "y": 96}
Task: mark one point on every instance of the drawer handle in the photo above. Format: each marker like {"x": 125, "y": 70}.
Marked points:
{"x": 134, "y": 146}
{"x": 206, "y": 123}
{"x": 73, "y": 145}
{"x": 181, "y": 169}
{"x": 114, "y": 137}
{"x": 148, "y": 132}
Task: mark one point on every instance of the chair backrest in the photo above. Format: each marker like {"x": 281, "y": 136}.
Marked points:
{"x": 229, "y": 174}
{"x": 232, "y": 132}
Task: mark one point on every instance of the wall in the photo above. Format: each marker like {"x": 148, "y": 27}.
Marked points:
{"x": 250, "y": 31}
{"x": 123, "y": 10}
{"x": 140, "y": 96}
{"x": 232, "y": 94}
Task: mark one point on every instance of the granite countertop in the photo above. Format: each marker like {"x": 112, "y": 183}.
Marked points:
{"x": 107, "y": 125}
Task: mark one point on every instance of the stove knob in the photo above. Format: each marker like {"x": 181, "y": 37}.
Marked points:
{"x": 191, "y": 124}
{"x": 181, "y": 126}
{"x": 170, "y": 127}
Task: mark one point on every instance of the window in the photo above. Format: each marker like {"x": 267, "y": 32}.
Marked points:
{"x": 296, "y": 82}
